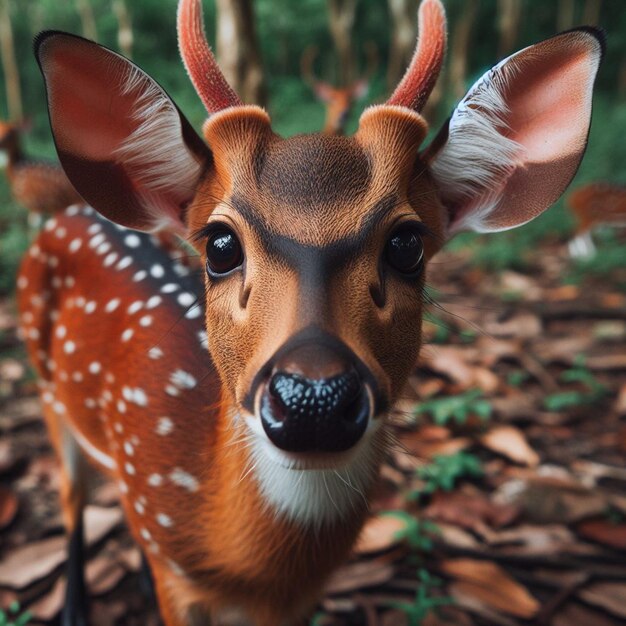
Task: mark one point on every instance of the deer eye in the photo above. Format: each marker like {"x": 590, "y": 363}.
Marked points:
{"x": 223, "y": 252}
{"x": 404, "y": 250}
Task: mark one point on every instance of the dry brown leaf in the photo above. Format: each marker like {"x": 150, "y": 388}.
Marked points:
{"x": 360, "y": 575}
{"x": 465, "y": 597}
{"x": 49, "y": 605}
{"x": 492, "y": 585}
{"x": 380, "y": 533}
{"x": 470, "y": 511}
{"x": 522, "y": 325}
{"x": 604, "y": 531}
{"x": 511, "y": 443}
{"x": 609, "y": 595}
{"x": 24, "y": 566}
{"x": 8, "y": 506}
{"x": 579, "y": 615}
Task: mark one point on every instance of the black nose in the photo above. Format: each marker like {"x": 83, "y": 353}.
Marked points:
{"x": 301, "y": 414}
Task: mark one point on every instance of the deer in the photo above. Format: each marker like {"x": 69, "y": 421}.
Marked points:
{"x": 244, "y": 413}
{"x": 40, "y": 186}
{"x": 593, "y": 205}
{"x": 338, "y": 101}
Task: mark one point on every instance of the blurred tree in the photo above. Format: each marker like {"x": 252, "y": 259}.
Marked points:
{"x": 403, "y": 35}
{"x": 238, "y": 50}
{"x": 509, "y": 23}
{"x": 591, "y": 12}
{"x": 9, "y": 64}
{"x": 125, "y": 28}
{"x": 87, "y": 19}
{"x": 342, "y": 14}
{"x": 460, "y": 48}
{"x": 565, "y": 15}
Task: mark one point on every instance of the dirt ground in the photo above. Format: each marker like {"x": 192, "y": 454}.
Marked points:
{"x": 504, "y": 502}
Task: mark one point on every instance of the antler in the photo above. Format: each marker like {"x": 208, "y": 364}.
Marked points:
{"x": 206, "y": 76}
{"x": 420, "y": 78}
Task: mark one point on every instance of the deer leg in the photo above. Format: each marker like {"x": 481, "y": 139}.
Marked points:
{"x": 146, "y": 581}
{"x": 74, "y": 478}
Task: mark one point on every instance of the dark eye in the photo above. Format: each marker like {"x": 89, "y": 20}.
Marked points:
{"x": 223, "y": 252}
{"x": 404, "y": 250}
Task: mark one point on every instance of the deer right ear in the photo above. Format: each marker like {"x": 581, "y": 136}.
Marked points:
{"x": 515, "y": 141}
{"x": 122, "y": 142}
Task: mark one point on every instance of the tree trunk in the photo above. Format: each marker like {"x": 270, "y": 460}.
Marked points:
{"x": 9, "y": 63}
{"x": 125, "y": 28}
{"x": 87, "y": 19}
{"x": 565, "y": 15}
{"x": 591, "y": 12}
{"x": 460, "y": 49}
{"x": 403, "y": 36}
{"x": 342, "y": 14}
{"x": 238, "y": 50}
{"x": 509, "y": 21}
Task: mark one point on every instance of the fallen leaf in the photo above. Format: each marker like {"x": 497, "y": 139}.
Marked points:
{"x": 360, "y": 576}
{"x": 511, "y": 443}
{"x": 604, "y": 531}
{"x": 492, "y": 585}
{"x": 608, "y": 595}
{"x": 8, "y": 506}
{"x": 380, "y": 533}
{"x": 470, "y": 511}
{"x": 574, "y": 614}
{"x": 27, "y": 564}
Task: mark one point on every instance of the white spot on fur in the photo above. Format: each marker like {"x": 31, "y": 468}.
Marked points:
{"x": 184, "y": 479}
{"x": 164, "y": 426}
{"x": 132, "y": 240}
{"x": 135, "y": 307}
{"x": 153, "y": 302}
{"x": 155, "y": 480}
{"x": 155, "y": 353}
{"x": 127, "y": 334}
{"x": 111, "y": 305}
{"x": 69, "y": 347}
{"x": 185, "y": 299}
{"x": 95, "y": 367}
{"x": 164, "y": 520}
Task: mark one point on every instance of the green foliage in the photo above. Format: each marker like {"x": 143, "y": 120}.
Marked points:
{"x": 424, "y": 601}
{"x": 517, "y": 378}
{"x": 592, "y": 392}
{"x": 445, "y": 471}
{"x": 608, "y": 259}
{"x": 456, "y": 408}
{"x": 417, "y": 533}
{"x": 13, "y": 237}
{"x": 12, "y": 616}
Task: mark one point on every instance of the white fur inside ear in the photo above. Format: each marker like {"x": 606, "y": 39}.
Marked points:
{"x": 155, "y": 152}
{"x": 477, "y": 157}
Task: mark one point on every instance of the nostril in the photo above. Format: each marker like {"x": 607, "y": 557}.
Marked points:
{"x": 301, "y": 414}
{"x": 327, "y": 396}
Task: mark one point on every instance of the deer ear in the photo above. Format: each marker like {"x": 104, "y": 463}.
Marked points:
{"x": 515, "y": 141}
{"x": 123, "y": 143}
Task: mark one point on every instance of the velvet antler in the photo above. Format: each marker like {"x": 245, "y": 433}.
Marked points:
{"x": 206, "y": 76}
{"x": 419, "y": 79}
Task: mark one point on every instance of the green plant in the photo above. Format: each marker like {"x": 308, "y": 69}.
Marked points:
{"x": 592, "y": 391}
{"x": 11, "y": 616}
{"x": 456, "y": 408}
{"x": 444, "y": 472}
{"x": 417, "y": 533}
{"x": 517, "y": 378}
{"x": 424, "y": 601}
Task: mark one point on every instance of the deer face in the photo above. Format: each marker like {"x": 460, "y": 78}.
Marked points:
{"x": 315, "y": 257}
{"x": 315, "y": 246}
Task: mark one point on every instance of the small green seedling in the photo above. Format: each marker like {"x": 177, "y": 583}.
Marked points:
{"x": 594, "y": 390}
{"x": 417, "y": 533}
{"x": 424, "y": 602}
{"x": 456, "y": 408}
{"x": 445, "y": 471}
{"x": 12, "y": 616}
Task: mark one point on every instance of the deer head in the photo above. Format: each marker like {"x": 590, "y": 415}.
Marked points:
{"x": 316, "y": 246}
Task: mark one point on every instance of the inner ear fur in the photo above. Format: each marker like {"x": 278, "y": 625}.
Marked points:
{"x": 122, "y": 141}
{"x": 515, "y": 141}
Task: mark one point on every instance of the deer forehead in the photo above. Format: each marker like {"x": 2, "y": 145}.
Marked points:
{"x": 317, "y": 189}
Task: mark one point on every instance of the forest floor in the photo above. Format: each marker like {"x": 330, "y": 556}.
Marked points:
{"x": 504, "y": 502}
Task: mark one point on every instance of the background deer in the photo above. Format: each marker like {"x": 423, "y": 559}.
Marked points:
{"x": 244, "y": 419}
{"x": 40, "y": 186}
{"x": 338, "y": 101}
{"x": 594, "y": 205}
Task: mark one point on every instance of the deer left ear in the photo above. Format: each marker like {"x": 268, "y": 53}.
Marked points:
{"x": 515, "y": 141}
